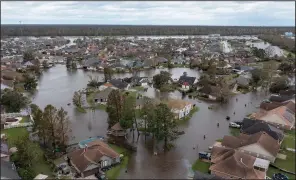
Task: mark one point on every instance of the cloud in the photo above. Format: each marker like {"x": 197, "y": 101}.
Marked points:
{"x": 260, "y": 13}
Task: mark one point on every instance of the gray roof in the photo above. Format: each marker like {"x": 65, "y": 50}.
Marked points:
{"x": 103, "y": 94}
{"x": 118, "y": 83}
{"x": 8, "y": 171}
{"x": 242, "y": 80}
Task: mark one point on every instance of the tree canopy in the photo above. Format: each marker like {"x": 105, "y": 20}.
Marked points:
{"x": 13, "y": 101}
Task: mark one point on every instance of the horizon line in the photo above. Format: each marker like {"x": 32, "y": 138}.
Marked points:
{"x": 145, "y": 25}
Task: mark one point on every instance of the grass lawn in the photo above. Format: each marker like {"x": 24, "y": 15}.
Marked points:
{"x": 288, "y": 163}
{"x": 25, "y": 119}
{"x": 219, "y": 140}
{"x": 115, "y": 171}
{"x": 289, "y": 142}
{"x": 81, "y": 109}
{"x": 189, "y": 116}
{"x": 139, "y": 88}
{"x": 201, "y": 166}
{"x": 40, "y": 166}
{"x": 234, "y": 131}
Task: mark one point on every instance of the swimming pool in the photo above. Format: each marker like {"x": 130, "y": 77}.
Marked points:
{"x": 83, "y": 143}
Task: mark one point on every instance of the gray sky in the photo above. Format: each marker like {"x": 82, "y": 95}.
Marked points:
{"x": 246, "y": 13}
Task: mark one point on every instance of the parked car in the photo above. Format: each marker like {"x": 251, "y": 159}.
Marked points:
{"x": 279, "y": 176}
{"x": 101, "y": 176}
{"x": 232, "y": 124}
{"x": 64, "y": 168}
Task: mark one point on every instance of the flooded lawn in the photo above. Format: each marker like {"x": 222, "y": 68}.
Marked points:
{"x": 58, "y": 85}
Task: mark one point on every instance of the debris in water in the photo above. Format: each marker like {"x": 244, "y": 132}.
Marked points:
{"x": 218, "y": 124}
{"x": 227, "y": 117}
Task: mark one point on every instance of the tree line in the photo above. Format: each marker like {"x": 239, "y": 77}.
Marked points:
{"x": 133, "y": 30}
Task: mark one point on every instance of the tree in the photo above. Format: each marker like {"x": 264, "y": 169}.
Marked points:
{"x": 279, "y": 83}
{"x": 148, "y": 115}
{"x": 107, "y": 74}
{"x": 212, "y": 70}
{"x": 114, "y": 107}
{"x": 30, "y": 82}
{"x": 28, "y": 56}
{"x": 286, "y": 67}
{"x": 25, "y": 154}
{"x": 45, "y": 64}
{"x": 49, "y": 117}
{"x": 128, "y": 112}
{"x": 77, "y": 98}
{"x": 69, "y": 62}
{"x": 162, "y": 79}
{"x": 258, "y": 77}
{"x": 63, "y": 129}
{"x": 13, "y": 101}
{"x": 93, "y": 81}
{"x": 165, "y": 124}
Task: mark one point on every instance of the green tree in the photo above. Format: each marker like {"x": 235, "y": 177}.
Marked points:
{"x": 148, "y": 115}
{"x": 25, "y": 154}
{"x": 69, "y": 62}
{"x": 107, "y": 74}
{"x": 26, "y": 173}
{"x": 50, "y": 119}
{"x": 13, "y": 101}
{"x": 161, "y": 80}
{"x": 114, "y": 107}
{"x": 45, "y": 64}
{"x": 30, "y": 82}
{"x": 279, "y": 83}
{"x": 77, "y": 98}
{"x": 63, "y": 129}
{"x": 165, "y": 124}
{"x": 28, "y": 56}
{"x": 128, "y": 112}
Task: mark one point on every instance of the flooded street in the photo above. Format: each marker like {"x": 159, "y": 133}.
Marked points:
{"x": 57, "y": 87}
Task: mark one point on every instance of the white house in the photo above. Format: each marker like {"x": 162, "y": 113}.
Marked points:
{"x": 179, "y": 107}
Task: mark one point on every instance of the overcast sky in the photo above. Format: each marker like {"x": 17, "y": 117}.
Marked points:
{"x": 246, "y": 13}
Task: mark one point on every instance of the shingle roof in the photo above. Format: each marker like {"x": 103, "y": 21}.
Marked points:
{"x": 118, "y": 83}
{"x": 261, "y": 138}
{"x": 281, "y": 98}
{"x": 103, "y": 94}
{"x": 261, "y": 126}
{"x": 117, "y": 127}
{"x": 234, "y": 164}
{"x": 188, "y": 79}
{"x": 94, "y": 151}
{"x": 177, "y": 103}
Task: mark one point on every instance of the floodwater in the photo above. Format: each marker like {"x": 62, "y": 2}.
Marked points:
{"x": 269, "y": 49}
{"x": 57, "y": 86}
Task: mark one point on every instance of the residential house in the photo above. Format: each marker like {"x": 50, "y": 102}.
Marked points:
{"x": 289, "y": 92}
{"x": 93, "y": 157}
{"x": 267, "y": 106}
{"x": 102, "y": 96}
{"x": 28, "y": 64}
{"x": 180, "y": 108}
{"x": 211, "y": 91}
{"x": 186, "y": 81}
{"x": 259, "y": 145}
{"x": 120, "y": 84}
{"x": 232, "y": 164}
{"x": 283, "y": 98}
{"x": 117, "y": 130}
{"x": 250, "y": 126}
{"x": 105, "y": 86}
{"x": 243, "y": 81}
{"x": 8, "y": 170}
{"x": 91, "y": 63}
{"x": 282, "y": 117}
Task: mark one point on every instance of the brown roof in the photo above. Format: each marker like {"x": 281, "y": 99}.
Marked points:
{"x": 261, "y": 138}
{"x": 177, "y": 103}
{"x": 82, "y": 158}
{"x": 234, "y": 163}
{"x": 270, "y": 106}
{"x": 117, "y": 127}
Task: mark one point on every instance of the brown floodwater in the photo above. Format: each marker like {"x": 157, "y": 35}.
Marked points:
{"x": 57, "y": 86}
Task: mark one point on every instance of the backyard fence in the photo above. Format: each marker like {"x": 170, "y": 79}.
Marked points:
{"x": 18, "y": 125}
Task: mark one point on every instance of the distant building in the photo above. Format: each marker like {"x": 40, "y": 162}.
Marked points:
{"x": 289, "y": 34}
